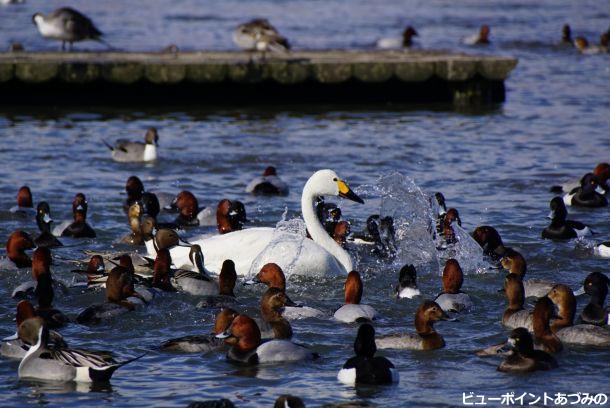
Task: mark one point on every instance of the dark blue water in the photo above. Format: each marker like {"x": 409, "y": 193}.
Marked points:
{"x": 494, "y": 166}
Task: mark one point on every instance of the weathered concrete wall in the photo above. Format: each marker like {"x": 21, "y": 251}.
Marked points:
{"x": 362, "y": 76}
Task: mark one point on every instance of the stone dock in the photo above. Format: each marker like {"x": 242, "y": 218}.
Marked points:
{"x": 240, "y": 78}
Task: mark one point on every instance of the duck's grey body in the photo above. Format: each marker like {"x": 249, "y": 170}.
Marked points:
{"x": 66, "y": 25}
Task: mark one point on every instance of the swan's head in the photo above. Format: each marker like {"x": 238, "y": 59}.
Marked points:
{"x": 327, "y": 183}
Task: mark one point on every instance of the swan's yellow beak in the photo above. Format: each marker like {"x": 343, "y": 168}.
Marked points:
{"x": 346, "y": 192}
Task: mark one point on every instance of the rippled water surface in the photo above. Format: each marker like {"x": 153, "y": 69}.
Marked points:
{"x": 495, "y": 166}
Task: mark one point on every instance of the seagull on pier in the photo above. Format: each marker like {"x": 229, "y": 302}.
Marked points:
{"x": 260, "y": 35}
{"x": 67, "y": 25}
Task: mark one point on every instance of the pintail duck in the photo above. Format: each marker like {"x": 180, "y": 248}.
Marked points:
{"x": 127, "y": 151}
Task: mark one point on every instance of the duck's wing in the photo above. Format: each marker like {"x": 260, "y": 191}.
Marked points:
{"x": 76, "y": 23}
{"x": 83, "y": 358}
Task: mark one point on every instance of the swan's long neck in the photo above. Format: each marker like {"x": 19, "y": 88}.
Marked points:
{"x": 317, "y": 231}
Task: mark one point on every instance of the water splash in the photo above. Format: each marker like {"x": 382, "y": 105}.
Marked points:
{"x": 466, "y": 251}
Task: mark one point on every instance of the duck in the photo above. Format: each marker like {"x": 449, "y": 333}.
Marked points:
{"x": 134, "y": 188}
{"x": 273, "y": 324}
{"x": 380, "y": 234}
{"x": 206, "y": 342}
{"x": 16, "y": 245}
{"x": 126, "y": 151}
{"x": 563, "y": 326}
{"x": 41, "y": 264}
{"x": 586, "y": 195}
{"x": 566, "y": 35}
{"x": 365, "y": 367}
{"x": 188, "y": 209}
{"x": 602, "y": 250}
{"x": 438, "y": 206}
{"x": 61, "y": 364}
{"x": 288, "y": 401}
{"x": 596, "y": 286}
{"x": 272, "y": 275}
{"x": 561, "y": 227}
{"x": 515, "y": 263}
{"x": 452, "y": 299}
{"x": 68, "y": 26}
{"x": 319, "y": 256}
{"x": 601, "y": 171}
{"x": 447, "y": 231}
{"x": 53, "y": 318}
{"x": 481, "y": 38}
{"x": 95, "y": 273}
{"x": 44, "y": 220}
{"x": 584, "y": 47}
{"x": 244, "y": 338}
{"x": 523, "y": 357}
{"x": 135, "y": 237}
{"x": 269, "y": 184}
{"x": 259, "y": 35}
{"x": 341, "y": 231}
{"x": 79, "y": 228}
{"x": 489, "y": 239}
{"x": 515, "y": 315}
{"x": 407, "y": 285}
{"x": 352, "y": 311}
{"x": 426, "y": 337}
{"x": 13, "y": 347}
{"x": 121, "y": 296}
{"x": 226, "y": 286}
{"x": 25, "y": 205}
{"x": 230, "y": 216}
{"x": 405, "y": 41}
{"x": 544, "y": 338}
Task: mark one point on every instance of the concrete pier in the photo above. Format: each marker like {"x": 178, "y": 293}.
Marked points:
{"x": 240, "y": 78}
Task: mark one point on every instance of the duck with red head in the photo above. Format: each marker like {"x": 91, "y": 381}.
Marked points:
{"x": 340, "y": 233}
{"x": 452, "y": 216}
{"x": 188, "y": 207}
{"x": 230, "y": 216}
{"x": 587, "y": 195}
{"x": 544, "y": 338}
{"x": 601, "y": 171}
{"x": 273, "y": 276}
{"x": 405, "y": 41}
{"x": 489, "y": 239}
{"x": 560, "y": 227}
{"x": 452, "y": 299}
{"x": 365, "y": 367}
{"x": 584, "y": 47}
{"x": 13, "y": 347}
{"x": 515, "y": 263}
{"x": 244, "y": 339}
{"x": 226, "y": 286}
{"x": 352, "y": 311}
{"x": 95, "y": 273}
{"x": 53, "y": 318}
{"x": 203, "y": 343}
{"x": 79, "y": 228}
{"x": 273, "y": 325}
{"x": 269, "y": 184}
{"x": 126, "y": 151}
{"x": 481, "y": 38}
{"x": 426, "y": 337}
{"x": 515, "y": 315}
{"x": 25, "y": 204}
{"x": 41, "y": 264}
{"x": 563, "y": 326}
{"x": 16, "y": 246}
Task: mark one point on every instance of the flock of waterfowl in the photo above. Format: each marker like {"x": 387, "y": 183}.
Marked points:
{"x": 259, "y": 35}
{"x": 208, "y": 266}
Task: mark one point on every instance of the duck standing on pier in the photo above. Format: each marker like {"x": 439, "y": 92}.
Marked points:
{"x": 67, "y": 25}
{"x": 260, "y": 35}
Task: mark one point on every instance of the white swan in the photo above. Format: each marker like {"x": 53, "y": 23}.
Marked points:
{"x": 319, "y": 256}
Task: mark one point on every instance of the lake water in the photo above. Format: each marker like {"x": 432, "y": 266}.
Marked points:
{"x": 495, "y": 166}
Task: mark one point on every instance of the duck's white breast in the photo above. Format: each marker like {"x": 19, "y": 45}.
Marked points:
{"x": 350, "y": 313}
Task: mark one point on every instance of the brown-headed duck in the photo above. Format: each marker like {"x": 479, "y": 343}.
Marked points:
{"x": 340, "y": 233}
{"x": 426, "y": 337}
{"x": 273, "y": 324}
{"x": 188, "y": 208}
{"x": 515, "y": 315}
{"x": 587, "y": 195}
{"x": 561, "y": 227}
{"x": 25, "y": 204}
{"x": 203, "y": 343}
{"x": 44, "y": 220}
{"x": 405, "y": 41}
{"x": 272, "y": 275}
{"x": 41, "y": 264}
{"x": 16, "y": 245}
{"x": 584, "y": 47}
{"x": 269, "y": 184}
{"x": 545, "y": 339}
{"x": 523, "y": 357}
{"x": 365, "y": 367}
{"x": 53, "y": 318}
{"x": 452, "y": 299}
{"x": 79, "y": 228}
{"x": 95, "y": 273}
{"x": 136, "y": 237}
{"x": 515, "y": 263}
{"x": 407, "y": 283}
{"x": 352, "y": 311}
{"x": 226, "y": 286}
{"x": 230, "y": 216}
{"x": 244, "y": 339}
{"x": 127, "y": 151}
{"x": 489, "y": 239}
{"x": 134, "y": 189}
{"x": 481, "y": 38}
{"x": 447, "y": 231}
{"x": 563, "y": 326}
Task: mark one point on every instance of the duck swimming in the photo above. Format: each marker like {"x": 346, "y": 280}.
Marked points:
{"x": 95, "y": 273}
{"x": 273, "y": 276}
{"x": 25, "y": 204}
{"x": 405, "y": 41}
{"x": 586, "y": 195}
{"x": 16, "y": 245}
{"x": 452, "y": 299}
{"x": 273, "y": 324}
{"x": 127, "y": 151}
{"x": 244, "y": 338}
{"x": 352, "y": 311}
{"x": 41, "y": 264}
{"x": 206, "y": 342}
{"x": 426, "y": 337}
{"x": 563, "y": 326}
{"x": 79, "y": 228}
{"x": 44, "y": 220}
{"x": 365, "y": 367}
{"x": 489, "y": 239}
{"x": 319, "y": 256}
{"x": 596, "y": 286}
{"x": 269, "y": 184}
{"x": 134, "y": 188}
{"x": 515, "y": 263}
{"x": 545, "y": 339}
{"x": 523, "y": 358}
{"x": 561, "y": 227}
{"x": 481, "y": 38}
{"x": 407, "y": 285}
{"x": 379, "y": 233}
{"x": 53, "y": 318}
{"x": 515, "y": 315}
